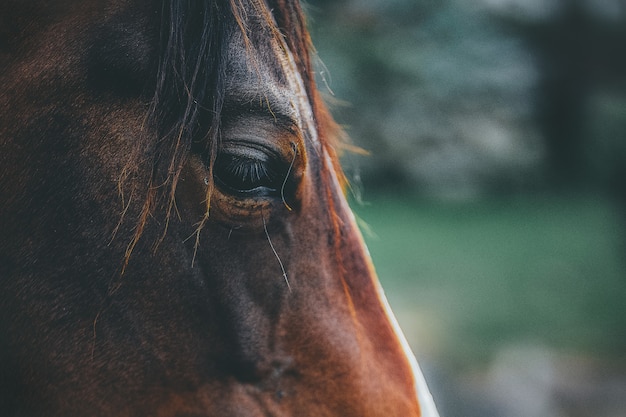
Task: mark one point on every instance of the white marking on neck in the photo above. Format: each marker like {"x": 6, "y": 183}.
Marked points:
{"x": 427, "y": 405}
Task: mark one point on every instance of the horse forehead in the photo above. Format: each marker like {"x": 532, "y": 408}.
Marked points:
{"x": 253, "y": 74}
{"x": 267, "y": 73}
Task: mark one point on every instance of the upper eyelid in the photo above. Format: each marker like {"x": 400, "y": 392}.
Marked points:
{"x": 262, "y": 107}
{"x": 250, "y": 150}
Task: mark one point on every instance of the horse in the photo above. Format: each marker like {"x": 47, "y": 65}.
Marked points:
{"x": 174, "y": 233}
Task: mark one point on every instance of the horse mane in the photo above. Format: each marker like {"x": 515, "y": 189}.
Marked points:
{"x": 188, "y": 98}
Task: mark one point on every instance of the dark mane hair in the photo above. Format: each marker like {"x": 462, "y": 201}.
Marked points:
{"x": 186, "y": 107}
{"x": 190, "y": 83}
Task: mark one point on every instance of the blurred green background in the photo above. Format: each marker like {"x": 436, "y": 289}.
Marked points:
{"x": 493, "y": 200}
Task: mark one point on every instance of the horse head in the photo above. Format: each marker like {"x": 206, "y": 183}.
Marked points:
{"x": 175, "y": 237}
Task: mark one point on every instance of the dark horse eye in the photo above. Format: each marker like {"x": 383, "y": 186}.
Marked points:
{"x": 245, "y": 175}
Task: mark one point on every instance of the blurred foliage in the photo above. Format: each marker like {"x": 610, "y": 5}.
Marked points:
{"x": 488, "y": 98}
{"x": 491, "y": 273}
{"x": 459, "y": 99}
{"x": 514, "y": 307}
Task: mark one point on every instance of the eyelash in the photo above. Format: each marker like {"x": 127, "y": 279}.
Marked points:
{"x": 247, "y": 176}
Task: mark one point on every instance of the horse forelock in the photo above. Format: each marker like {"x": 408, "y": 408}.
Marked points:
{"x": 190, "y": 87}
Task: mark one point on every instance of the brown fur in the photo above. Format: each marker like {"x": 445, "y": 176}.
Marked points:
{"x": 134, "y": 278}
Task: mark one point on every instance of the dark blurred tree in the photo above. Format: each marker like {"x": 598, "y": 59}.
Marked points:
{"x": 437, "y": 93}
{"x": 491, "y": 96}
{"x": 579, "y": 53}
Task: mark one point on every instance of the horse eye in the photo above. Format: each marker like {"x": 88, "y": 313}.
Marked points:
{"x": 247, "y": 176}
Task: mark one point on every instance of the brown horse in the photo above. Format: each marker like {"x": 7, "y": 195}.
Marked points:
{"x": 174, "y": 238}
